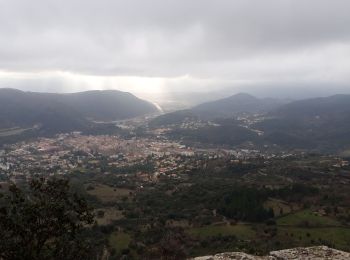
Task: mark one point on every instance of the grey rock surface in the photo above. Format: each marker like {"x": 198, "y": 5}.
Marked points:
{"x": 303, "y": 253}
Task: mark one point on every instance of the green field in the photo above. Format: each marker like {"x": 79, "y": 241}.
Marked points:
{"x": 109, "y": 194}
{"x": 12, "y": 131}
{"x": 335, "y": 237}
{"x": 307, "y": 218}
{"x": 119, "y": 241}
{"x": 243, "y": 232}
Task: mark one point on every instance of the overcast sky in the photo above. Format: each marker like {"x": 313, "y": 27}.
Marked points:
{"x": 156, "y": 47}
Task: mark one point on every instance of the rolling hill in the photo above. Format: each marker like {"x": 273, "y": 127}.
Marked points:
{"x": 320, "y": 124}
{"x": 237, "y": 104}
{"x": 67, "y": 112}
{"x": 223, "y": 108}
{"x": 107, "y": 105}
{"x": 310, "y": 123}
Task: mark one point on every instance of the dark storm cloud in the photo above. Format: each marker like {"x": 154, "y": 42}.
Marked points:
{"x": 279, "y": 40}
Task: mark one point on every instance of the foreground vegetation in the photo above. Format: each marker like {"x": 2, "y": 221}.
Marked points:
{"x": 250, "y": 205}
{"x": 44, "y": 220}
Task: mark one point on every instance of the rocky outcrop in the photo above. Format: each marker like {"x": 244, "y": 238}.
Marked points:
{"x": 305, "y": 253}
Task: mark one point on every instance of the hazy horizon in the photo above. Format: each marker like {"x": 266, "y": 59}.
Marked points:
{"x": 164, "y": 49}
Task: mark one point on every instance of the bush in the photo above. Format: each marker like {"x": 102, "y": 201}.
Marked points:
{"x": 45, "y": 221}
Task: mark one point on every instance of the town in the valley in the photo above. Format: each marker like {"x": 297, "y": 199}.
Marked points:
{"x": 158, "y": 187}
{"x": 71, "y": 152}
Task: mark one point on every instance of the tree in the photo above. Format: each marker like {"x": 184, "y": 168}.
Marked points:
{"x": 44, "y": 220}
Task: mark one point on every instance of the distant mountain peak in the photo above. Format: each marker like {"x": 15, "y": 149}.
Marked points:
{"x": 237, "y": 104}
{"x": 243, "y": 96}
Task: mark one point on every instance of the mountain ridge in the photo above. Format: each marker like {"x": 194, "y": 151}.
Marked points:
{"x": 233, "y": 105}
{"x": 320, "y": 124}
{"x": 68, "y": 111}
{"x": 238, "y": 104}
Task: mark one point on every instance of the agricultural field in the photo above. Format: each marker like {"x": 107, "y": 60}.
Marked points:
{"x": 12, "y": 131}
{"x": 109, "y": 194}
{"x": 307, "y": 218}
{"x": 252, "y": 207}
{"x": 119, "y": 241}
{"x": 338, "y": 237}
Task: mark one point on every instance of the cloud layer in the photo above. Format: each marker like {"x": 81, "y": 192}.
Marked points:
{"x": 278, "y": 41}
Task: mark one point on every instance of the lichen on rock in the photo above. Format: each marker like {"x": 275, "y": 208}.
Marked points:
{"x": 303, "y": 253}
